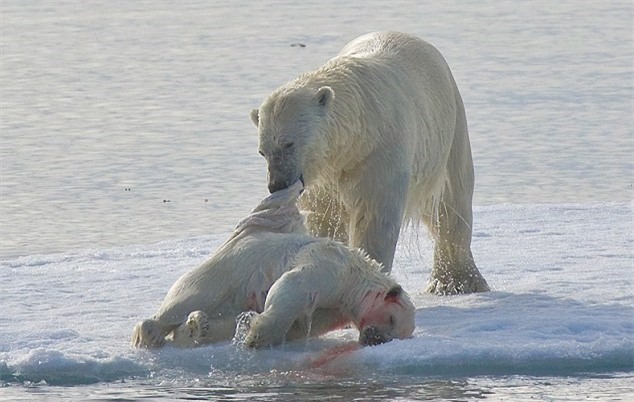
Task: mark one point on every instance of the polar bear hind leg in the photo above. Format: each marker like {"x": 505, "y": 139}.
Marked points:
{"x": 148, "y": 334}
{"x": 192, "y": 332}
{"x": 450, "y": 222}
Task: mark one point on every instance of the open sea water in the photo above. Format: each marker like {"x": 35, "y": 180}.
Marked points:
{"x": 124, "y": 131}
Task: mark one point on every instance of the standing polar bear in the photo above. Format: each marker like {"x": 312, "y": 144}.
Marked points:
{"x": 379, "y": 136}
{"x": 302, "y": 286}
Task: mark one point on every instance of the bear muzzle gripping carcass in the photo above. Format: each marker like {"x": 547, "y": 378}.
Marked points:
{"x": 278, "y": 183}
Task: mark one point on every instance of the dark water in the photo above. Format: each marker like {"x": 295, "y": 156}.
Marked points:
{"x": 295, "y": 387}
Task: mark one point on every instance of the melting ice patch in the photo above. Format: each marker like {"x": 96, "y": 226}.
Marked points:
{"x": 54, "y": 367}
{"x": 561, "y": 303}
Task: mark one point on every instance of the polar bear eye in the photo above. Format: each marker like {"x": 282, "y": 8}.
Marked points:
{"x": 288, "y": 145}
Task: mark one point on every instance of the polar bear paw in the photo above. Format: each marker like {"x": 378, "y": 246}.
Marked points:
{"x": 243, "y": 326}
{"x": 147, "y": 334}
{"x": 458, "y": 283}
{"x": 192, "y": 332}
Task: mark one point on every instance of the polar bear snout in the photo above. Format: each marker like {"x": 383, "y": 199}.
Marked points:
{"x": 282, "y": 184}
{"x": 371, "y": 336}
{"x": 277, "y": 185}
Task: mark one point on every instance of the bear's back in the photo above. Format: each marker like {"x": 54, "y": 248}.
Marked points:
{"x": 405, "y": 49}
{"x": 220, "y": 285}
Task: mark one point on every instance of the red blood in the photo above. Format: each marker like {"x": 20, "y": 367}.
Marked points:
{"x": 333, "y": 353}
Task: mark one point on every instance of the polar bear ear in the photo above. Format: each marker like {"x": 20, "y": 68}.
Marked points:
{"x": 325, "y": 95}
{"x": 394, "y": 293}
{"x": 255, "y": 117}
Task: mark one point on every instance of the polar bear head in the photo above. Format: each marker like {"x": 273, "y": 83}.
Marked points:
{"x": 386, "y": 316}
{"x": 290, "y": 124}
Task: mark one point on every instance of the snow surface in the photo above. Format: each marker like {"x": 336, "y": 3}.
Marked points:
{"x": 561, "y": 304}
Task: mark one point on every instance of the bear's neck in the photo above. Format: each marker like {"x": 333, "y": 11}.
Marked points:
{"x": 364, "y": 303}
{"x": 346, "y": 124}
{"x": 368, "y": 287}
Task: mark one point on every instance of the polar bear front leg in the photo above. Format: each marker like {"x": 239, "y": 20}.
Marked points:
{"x": 288, "y": 302}
{"x": 376, "y": 216}
{"x": 327, "y": 216}
{"x": 192, "y": 332}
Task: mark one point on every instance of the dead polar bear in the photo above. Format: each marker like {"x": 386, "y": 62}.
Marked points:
{"x": 302, "y": 285}
{"x": 379, "y": 136}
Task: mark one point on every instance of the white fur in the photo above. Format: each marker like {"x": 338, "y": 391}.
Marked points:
{"x": 303, "y": 285}
{"x": 379, "y": 136}
{"x": 329, "y": 286}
